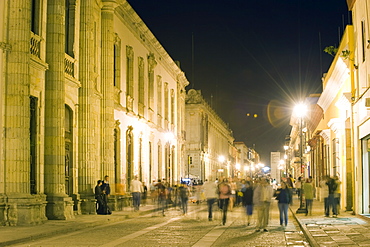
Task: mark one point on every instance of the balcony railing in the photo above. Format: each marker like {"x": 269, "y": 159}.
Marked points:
{"x": 35, "y": 45}
{"x": 69, "y": 65}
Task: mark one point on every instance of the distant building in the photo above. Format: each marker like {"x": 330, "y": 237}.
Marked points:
{"x": 247, "y": 159}
{"x": 209, "y": 141}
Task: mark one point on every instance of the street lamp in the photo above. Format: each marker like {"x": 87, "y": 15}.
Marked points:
{"x": 221, "y": 159}
{"x": 286, "y": 147}
{"x": 300, "y": 111}
{"x": 169, "y": 136}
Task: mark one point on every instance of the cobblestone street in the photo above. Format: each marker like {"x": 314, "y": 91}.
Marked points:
{"x": 149, "y": 228}
{"x": 174, "y": 229}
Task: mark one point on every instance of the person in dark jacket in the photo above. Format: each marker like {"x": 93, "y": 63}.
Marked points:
{"x": 247, "y": 199}
{"x": 283, "y": 197}
{"x": 332, "y": 187}
{"x": 100, "y": 209}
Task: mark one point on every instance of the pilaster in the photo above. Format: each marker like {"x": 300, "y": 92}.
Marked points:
{"x": 107, "y": 103}
{"x": 59, "y": 206}
{"x": 88, "y": 169}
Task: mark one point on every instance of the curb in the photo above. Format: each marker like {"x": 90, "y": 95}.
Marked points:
{"x": 305, "y": 231}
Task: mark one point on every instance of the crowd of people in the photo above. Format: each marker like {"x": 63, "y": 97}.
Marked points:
{"x": 253, "y": 194}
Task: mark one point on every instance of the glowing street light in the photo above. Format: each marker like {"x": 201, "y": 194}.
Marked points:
{"x": 300, "y": 111}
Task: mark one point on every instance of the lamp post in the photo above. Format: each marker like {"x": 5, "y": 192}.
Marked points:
{"x": 221, "y": 159}
{"x": 300, "y": 111}
{"x": 169, "y": 169}
{"x": 286, "y": 160}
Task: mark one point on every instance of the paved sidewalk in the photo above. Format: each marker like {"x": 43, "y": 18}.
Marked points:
{"x": 345, "y": 230}
{"x": 10, "y": 235}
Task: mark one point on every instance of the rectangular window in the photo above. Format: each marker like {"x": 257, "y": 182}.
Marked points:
{"x": 35, "y": 16}
{"x": 363, "y": 40}
{"x": 130, "y": 71}
{"x": 166, "y": 98}
{"x": 172, "y": 106}
{"x": 33, "y": 145}
{"x": 159, "y": 95}
{"x": 141, "y": 85}
{"x": 70, "y": 12}
{"x": 151, "y": 65}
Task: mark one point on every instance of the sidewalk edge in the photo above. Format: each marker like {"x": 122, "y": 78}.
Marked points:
{"x": 305, "y": 231}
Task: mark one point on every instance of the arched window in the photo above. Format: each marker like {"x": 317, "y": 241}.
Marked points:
{"x": 68, "y": 136}
{"x": 129, "y": 156}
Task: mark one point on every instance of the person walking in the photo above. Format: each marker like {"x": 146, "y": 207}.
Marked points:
{"x": 210, "y": 192}
{"x": 332, "y": 187}
{"x": 290, "y": 185}
{"x": 144, "y": 195}
{"x": 136, "y": 190}
{"x": 298, "y": 186}
{"x": 337, "y": 193}
{"x": 262, "y": 200}
{"x": 324, "y": 193}
{"x": 184, "y": 192}
{"x": 161, "y": 196}
{"x": 283, "y": 195}
{"x": 105, "y": 187}
{"x": 224, "y": 191}
{"x": 232, "y": 198}
{"x": 308, "y": 191}
{"x": 247, "y": 199}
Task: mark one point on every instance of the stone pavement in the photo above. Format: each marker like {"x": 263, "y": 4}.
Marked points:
{"x": 345, "y": 230}
{"x": 10, "y": 235}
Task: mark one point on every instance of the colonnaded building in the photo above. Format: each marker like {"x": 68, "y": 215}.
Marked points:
{"x": 86, "y": 91}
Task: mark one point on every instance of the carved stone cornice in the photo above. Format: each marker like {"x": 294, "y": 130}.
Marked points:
{"x": 326, "y": 135}
{"x": 138, "y": 28}
{"x": 5, "y": 46}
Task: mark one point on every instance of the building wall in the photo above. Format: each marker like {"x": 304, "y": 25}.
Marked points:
{"x": 361, "y": 95}
{"x": 68, "y": 116}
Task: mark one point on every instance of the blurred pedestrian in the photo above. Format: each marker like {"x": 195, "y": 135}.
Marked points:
{"x": 144, "y": 195}
{"x": 136, "y": 188}
{"x": 161, "y": 196}
{"x": 210, "y": 192}
{"x": 324, "y": 193}
{"x": 105, "y": 187}
{"x": 224, "y": 192}
{"x": 308, "y": 191}
{"x": 262, "y": 199}
{"x": 283, "y": 195}
{"x": 298, "y": 186}
{"x": 290, "y": 185}
{"x": 247, "y": 199}
{"x": 184, "y": 192}
{"x": 337, "y": 193}
{"x": 232, "y": 199}
{"x": 332, "y": 187}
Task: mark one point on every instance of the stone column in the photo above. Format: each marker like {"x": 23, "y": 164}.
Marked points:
{"x": 59, "y": 205}
{"x": 20, "y": 206}
{"x": 107, "y": 103}
{"x": 88, "y": 169}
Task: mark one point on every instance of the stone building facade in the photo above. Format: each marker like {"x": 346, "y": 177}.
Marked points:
{"x": 337, "y": 137}
{"x": 209, "y": 141}
{"x": 86, "y": 90}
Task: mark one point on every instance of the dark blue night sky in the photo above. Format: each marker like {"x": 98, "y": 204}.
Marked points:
{"x": 248, "y": 55}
